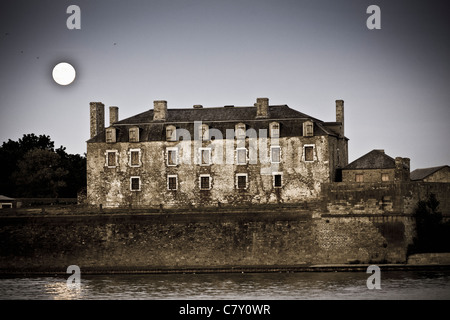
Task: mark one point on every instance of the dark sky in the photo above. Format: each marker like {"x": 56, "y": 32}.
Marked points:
{"x": 307, "y": 54}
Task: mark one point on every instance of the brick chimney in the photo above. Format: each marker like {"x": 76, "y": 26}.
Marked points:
{"x": 113, "y": 115}
{"x": 340, "y": 116}
{"x": 159, "y": 110}
{"x": 262, "y": 108}
{"x": 97, "y": 118}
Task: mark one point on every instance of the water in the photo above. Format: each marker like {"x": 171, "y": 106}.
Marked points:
{"x": 255, "y": 286}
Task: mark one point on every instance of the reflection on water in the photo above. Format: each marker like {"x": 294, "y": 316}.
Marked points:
{"x": 279, "y": 286}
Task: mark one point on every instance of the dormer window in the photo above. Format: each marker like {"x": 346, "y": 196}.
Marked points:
{"x": 110, "y": 135}
{"x": 133, "y": 134}
{"x": 240, "y": 131}
{"x": 274, "y": 130}
{"x": 204, "y": 132}
{"x": 308, "y": 128}
{"x": 171, "y": 133}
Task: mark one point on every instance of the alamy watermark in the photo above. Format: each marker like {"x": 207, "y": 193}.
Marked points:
{"x": 374, "y": 281}
{"x": 74, "y": 281}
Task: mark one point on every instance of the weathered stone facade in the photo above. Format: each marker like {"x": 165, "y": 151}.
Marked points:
{"x": 376, "y": 166}
{"x": 205, "y": 156}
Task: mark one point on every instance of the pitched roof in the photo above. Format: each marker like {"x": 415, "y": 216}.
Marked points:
{"x": 4, "y": 198}
{"x": 375, "y": 159}
{"x": 220, "y": 118}
{"x": 422, "y": 173}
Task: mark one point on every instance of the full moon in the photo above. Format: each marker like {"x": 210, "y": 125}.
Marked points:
{"x": 63, "y": 73}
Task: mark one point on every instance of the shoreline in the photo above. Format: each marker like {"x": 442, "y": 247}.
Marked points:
{"x": 229, "y": 269}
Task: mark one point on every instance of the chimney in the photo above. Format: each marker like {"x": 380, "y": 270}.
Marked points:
{"x": 340, "y": 115}
{"x": 159, "y": 110}
{"x": 113, "y": 115}
{"x": 262, "y": 108}
{"x": 402, "y": 169}
{"x": 97, "y": 118}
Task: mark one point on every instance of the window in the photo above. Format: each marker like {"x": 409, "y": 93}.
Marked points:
{"x": 133, "y": 134}
{"x": 277, "y": 180}
{"x": 241, "y": 156}
{"x": 135, "y": 157}
{"x": 241, "y": 181}
{"x": 308, "y": 152}
{"x": 308, "y": 128}
{"x": 172, "y": 156}
{"x": 240, "y": 131}
{"x": 111, "y": 158}
{"x": 274, "y": 130}
{"x": 275, "y": 154}
{"x": 205, "y": 182}
{"x": 359, "y": 177}
{"x": 171, "y": 133}
{"x": 172, "y": 182}
{"x": 135, "y": 184}
{"x": 110, "y": 135}
{"x": 205, "y": 156}
{"x": 384, "y": 177}
{"x": 203, "y": 132}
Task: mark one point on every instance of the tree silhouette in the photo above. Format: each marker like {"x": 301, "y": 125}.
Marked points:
{"x": 23, "y": 168}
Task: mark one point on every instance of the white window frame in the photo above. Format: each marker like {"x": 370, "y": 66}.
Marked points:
{"x": 304, "y": 152}
{"x": 237, "y": 156}
{"x": 130, "y": 151}
{"x": 168, "y": 150}
{"x": 200, "y": 181}
{"x": 176, "y": 181}
{"x": 131, "y": 183}
{"x": 107, "y": 158}
{"x": 273, "y": 179}
{"x": 200, "y": 156}
{"x": 237, "y": 180}
{"x": 271, "y": 154}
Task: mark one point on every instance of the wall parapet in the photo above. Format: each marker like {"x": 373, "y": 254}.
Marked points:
{"x": 382, "y": 197}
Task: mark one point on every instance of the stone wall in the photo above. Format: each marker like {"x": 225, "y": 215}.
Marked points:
{"x": 149, "y": 241}
{"x": 382, "y": 197}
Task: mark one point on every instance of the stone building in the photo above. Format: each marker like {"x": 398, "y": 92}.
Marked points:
{"x": 376, "y": 166}
{"x": 202, "y": 156}
{"x": 434, "y": 174}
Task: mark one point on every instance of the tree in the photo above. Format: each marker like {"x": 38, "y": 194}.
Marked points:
{"x": 13, "y": 181}
{"x": 40, "y": 174}
{"x": 432, "y": 234}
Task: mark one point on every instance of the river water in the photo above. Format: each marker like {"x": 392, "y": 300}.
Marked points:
{"x": 410, "y": 285}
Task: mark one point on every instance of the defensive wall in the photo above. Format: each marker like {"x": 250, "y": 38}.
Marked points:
{"x": 382, "y": 197}
{"x": 351, "y": 224}
{"x": 146, "y": 241}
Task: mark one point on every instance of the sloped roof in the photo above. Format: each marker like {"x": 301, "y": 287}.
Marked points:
{"x": 375, "y": 159}
{"x": 220, "y": 118}
{"x": 422, "y": 173}
{"x": 4, "y": 198}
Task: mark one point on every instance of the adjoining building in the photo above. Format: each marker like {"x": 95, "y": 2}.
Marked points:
{"x": 434, "y": 174}
{"x": 376, "y": 166}
{"x": 201, "y": 156}
{"x": 7, "y": 202}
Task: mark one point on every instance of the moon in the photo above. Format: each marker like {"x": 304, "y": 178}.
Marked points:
{"x": 64, "y": 73}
